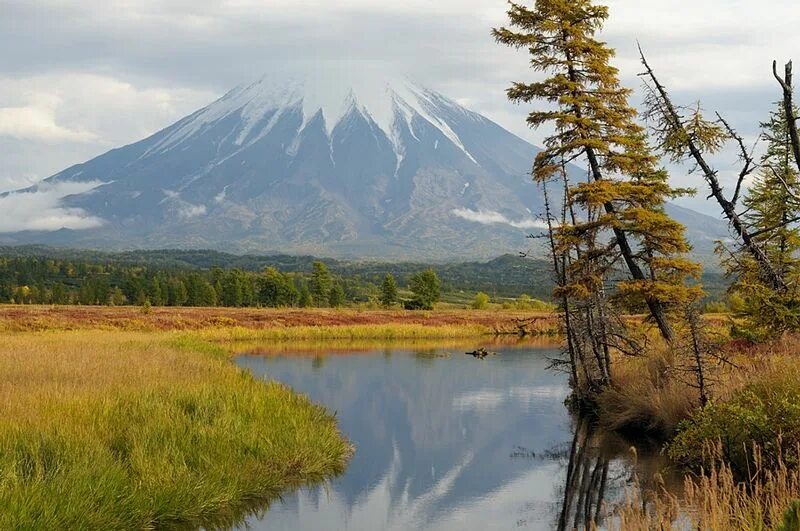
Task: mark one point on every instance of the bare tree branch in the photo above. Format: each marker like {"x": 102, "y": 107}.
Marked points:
{"x": 745, "y": 156}
{"x": 788, "y": 107}
{"x": 768, "y": 271}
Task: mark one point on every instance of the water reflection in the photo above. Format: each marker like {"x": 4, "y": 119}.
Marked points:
{"x": 445, "y": 441}
{"x": 585, "y": 483}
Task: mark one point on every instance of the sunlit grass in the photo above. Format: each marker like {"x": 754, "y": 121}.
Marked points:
{"x": 128, "y": 430}
{"x": 715, "y": 500}
{"x": 390, "y": 331}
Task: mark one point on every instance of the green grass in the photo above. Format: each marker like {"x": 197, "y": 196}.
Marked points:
{"x": 125, "y": 430}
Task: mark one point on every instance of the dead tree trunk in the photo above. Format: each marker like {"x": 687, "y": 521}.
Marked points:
{"x": 788, "y": 107}
{"x": 698, "y": 353}
{"x": 767, "y": 270}
{"x": 559, "y": 269}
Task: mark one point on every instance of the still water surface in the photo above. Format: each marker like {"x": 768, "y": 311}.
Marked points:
{"x": 445, "y": 441}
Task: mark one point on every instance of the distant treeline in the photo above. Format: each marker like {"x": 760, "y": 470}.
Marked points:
{"x": 54, "y": 281}
{"x": 36, "y": 274}
{"x": 507, "y": 276}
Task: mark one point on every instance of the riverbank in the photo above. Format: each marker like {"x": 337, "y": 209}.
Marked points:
{"x": 740, "y": 452}
{"x": 278, "y": 324}
{"x": 119, "y": 429}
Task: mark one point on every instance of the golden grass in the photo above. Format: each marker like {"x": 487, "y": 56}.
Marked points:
{"x": 652, "y": 394}
{"x": 392, "y": 331}
{"x": 40, "y": 318}
{"x": 317, "y": 347}
{"x": 716, "y": 501}
{"x": 130, "y": 430}
{"x": 754, "y": 496}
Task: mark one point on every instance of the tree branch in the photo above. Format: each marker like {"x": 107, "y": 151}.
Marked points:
{"x": 745, "y": 156}
{"x": 788, "y": 107}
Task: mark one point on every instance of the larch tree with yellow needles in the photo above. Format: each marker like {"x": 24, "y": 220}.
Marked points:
{"x": 620, "y": 223}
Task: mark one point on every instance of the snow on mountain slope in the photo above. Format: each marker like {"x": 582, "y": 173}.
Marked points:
{"x": 384, "y": 102}
{"x": 334, "y": 163}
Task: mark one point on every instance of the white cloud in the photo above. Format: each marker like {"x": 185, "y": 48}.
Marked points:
{"x": 188, "y": 210}
{"x": 184, "y": 209}
{"x": 38, "y": 124}
{"x": 490, "y": 217}
{"x": 58, "y": 119}
{"x": 220, "y": 197}
{"x": 41, "y": 209}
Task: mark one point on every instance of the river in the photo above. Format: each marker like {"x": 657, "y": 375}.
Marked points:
{"x": 445, "y": 441}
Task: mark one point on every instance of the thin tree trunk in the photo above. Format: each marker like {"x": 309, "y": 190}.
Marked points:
{"x": 788, "y": 107}
{"x": 728, "y": 208}
{"x": 561, "y": 280}
{"x": 655, "y": 306}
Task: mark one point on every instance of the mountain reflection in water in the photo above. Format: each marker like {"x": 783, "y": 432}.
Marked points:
{"x": 445, "y": 441}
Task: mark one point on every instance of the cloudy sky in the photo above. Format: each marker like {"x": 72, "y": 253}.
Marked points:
{"x": 79, "y": 77}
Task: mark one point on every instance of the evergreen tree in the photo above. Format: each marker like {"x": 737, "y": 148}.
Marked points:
{"x": 59, "y": 294}
{"x": 626, "y": 190}
{"x": 176, "y": 292}
{"x": 199, "y": 291}
{"x": 426, "y": 287}
{"x": 117, "y": 297}
{"x": 155, "y": 294}
{"x": 321, "y": 284}
{"x": 232, "y": 288}
{"x": 275, "y": 289}
{"x": 389, "y": 290}
{"x": 770, "y": 209}
{"x": 770, "y": 217}
{"x": 337, "y": 296}
{"x": 305, "y": 300}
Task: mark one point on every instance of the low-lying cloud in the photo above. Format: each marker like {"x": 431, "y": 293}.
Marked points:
{"x": 41, "y": 209}
{"x": 183, "y": 208}
{"x": 490, "y": 217}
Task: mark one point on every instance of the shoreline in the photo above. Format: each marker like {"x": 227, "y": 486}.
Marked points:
{"x": 277, "y": 324}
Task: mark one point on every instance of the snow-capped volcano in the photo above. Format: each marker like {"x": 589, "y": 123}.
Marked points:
{"x": 390, "y": 105}
{"x": 330, "y": 163}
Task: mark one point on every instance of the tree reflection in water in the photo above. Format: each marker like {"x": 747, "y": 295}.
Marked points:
{"x": 600, "y": 468}
{"x": 586, "y": 481}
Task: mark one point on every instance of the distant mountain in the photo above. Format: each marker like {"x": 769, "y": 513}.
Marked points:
{"x": 368, "y": 167}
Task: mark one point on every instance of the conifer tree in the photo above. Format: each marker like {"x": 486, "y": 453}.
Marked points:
{"x": 337, "y": 296}
{"x": 426, "y": 287}
{"x": 321, "y": 283}
{"x": 389, "y": 290}
{"x": 305, "y": 300}
{"x": 770, "y": 208}
{"x": 626, "y": 190}
{"x": 771, "y": 217}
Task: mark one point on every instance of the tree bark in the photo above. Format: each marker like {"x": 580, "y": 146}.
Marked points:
{"x": 656, "y": 308}
{"x": 788, "y": 107}
{"x": 768, "y": 272}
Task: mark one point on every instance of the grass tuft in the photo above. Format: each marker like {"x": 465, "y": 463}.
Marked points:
{"x": 126, "y": 430}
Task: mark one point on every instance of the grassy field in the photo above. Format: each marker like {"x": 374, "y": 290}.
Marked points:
{"x": 131, "y": 430}
{"x": 375, "y": 322}
{"x": 120, "y": 418}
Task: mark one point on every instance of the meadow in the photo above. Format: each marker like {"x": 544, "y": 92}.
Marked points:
{"x": 121, "y": 418}
{"x": 131, "y": 430}
{"x": 125, "y": 417}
